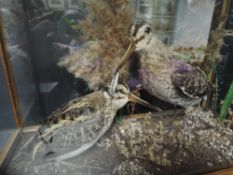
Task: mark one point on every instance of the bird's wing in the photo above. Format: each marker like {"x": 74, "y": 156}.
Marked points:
{"x": 85, "y": 136}
{"x": 70, "y": 130}
{"x": 76, "y": 110}
{"x": 191, "y": 80}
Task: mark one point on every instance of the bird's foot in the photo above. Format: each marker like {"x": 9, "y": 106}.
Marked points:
{"x": 131, "y": 105}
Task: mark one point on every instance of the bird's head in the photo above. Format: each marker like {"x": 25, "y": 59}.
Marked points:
{"x": 123, "y": 95}
{"x": 141, "y": 34}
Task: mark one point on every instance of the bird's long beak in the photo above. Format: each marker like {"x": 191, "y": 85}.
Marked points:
{"x": 126, "y": 57}
{"x": 136, "y": 99}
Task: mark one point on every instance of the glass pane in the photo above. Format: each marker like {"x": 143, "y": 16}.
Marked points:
{"x": 64, "y": 50}
{"x": 7, "y": 124}
{"x": 16, "y": 38}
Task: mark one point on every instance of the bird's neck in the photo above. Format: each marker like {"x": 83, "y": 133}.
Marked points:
{"x": 156, "y": 54}
{"x": 112, "y": 103}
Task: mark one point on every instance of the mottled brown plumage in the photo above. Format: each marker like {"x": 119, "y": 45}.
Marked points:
{"x": 92, "y": 115}
{"x": 161, "y": 74}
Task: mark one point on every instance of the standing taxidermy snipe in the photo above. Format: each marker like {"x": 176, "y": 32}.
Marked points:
{"x": 93, "y": 115}
{"x": 162, "y": 75}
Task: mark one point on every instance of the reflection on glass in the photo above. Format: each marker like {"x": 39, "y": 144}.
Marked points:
{"x": 38, "y": 34}
{"x": 7, "y": 124}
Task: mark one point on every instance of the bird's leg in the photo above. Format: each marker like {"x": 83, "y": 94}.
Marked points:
{"x": 131, "y": 105}
{"x": 140, "y": 116}
{"x": 204, "y": 103}
{"x": 46, "y": 133}
{"x": 138, "y": 100}
{"x": 41, "y": 142}
{"x": 35, "y": 148}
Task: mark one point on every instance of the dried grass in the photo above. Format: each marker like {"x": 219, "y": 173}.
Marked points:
{"x": 105, "y": 32}
{"x": 213, "y": 58}
{"x": 216, "y": 41}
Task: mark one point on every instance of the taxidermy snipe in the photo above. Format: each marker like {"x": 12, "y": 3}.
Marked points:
{"x": 93, "y": 114}
{"x": 162, "y": 75}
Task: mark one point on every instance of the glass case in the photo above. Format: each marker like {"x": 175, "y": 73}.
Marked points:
{"x": 8, "y": 122}
{"x": 58, "y": 54}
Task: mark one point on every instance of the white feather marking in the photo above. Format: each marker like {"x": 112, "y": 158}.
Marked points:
{"x": 114, "y": 83}
{"x": 188, "y": 94}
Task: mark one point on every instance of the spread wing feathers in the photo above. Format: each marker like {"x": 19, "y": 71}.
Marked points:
{"x": 192, "y": 82}
{"x": 76, "y": 111}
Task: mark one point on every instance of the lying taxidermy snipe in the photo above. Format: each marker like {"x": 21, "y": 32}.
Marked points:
{"x": 98, "y": 108}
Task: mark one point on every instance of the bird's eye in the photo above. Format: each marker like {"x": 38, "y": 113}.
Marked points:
{"x": 120, "y": 91}
{"x": 148, "y": 30}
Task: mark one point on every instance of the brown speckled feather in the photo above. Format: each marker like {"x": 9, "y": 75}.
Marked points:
{"x": 76, "y": 110}
{"x": 162, "y": 75}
